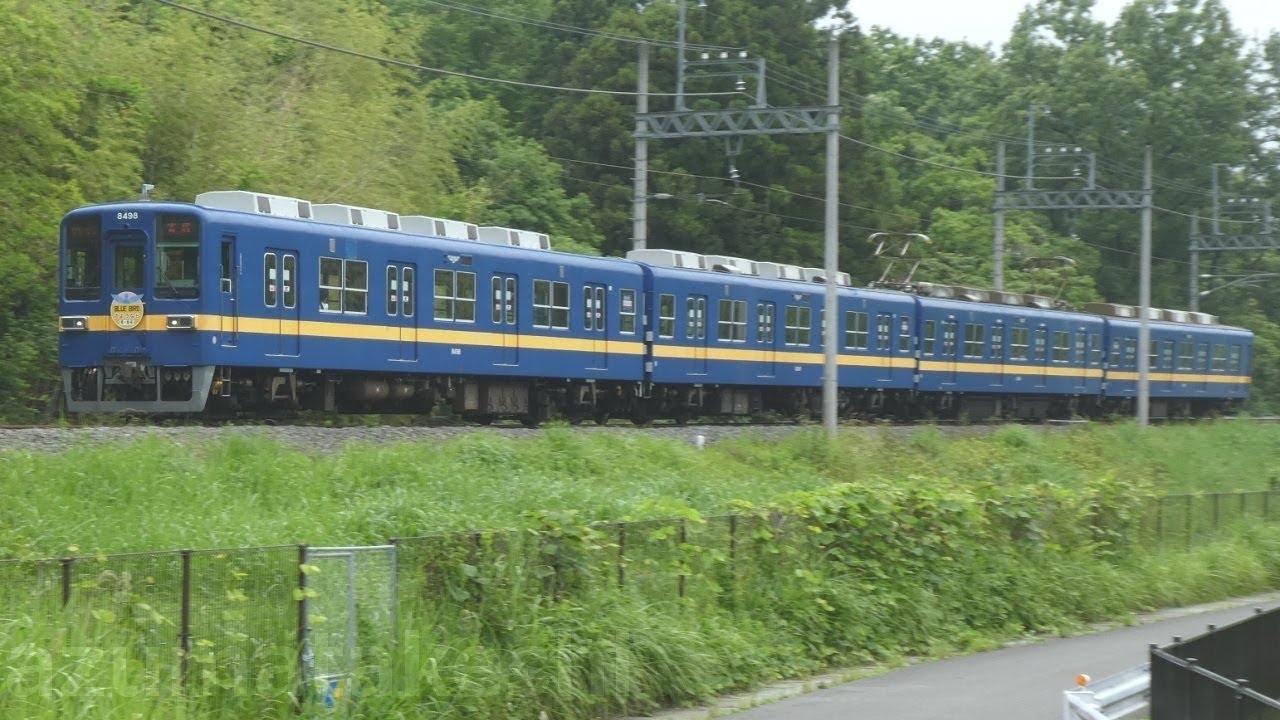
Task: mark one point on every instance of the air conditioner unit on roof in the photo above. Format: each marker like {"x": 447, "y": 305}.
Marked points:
{"x": 514, "y": 238}
{"x": 439, "y": 227}
{"x": 352, "y": 215}
{"x": 252, "y": 202}
{"x": 666, "y": 258}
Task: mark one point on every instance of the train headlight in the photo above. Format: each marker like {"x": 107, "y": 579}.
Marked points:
{"x": 180, "y": 322}
{"x": 73, "y": 323}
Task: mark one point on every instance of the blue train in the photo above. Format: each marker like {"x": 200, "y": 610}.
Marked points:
{"x": 251, "y": 303}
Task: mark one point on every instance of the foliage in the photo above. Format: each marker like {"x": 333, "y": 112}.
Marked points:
{"x": 107, "y": 95}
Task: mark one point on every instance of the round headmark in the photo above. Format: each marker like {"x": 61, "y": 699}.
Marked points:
{"x": 126, "y": 310}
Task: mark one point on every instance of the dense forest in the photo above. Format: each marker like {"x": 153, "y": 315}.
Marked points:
{"x": 520, "y": 113}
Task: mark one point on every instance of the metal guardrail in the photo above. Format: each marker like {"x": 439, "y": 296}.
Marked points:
{"x": 1122, "y": 695}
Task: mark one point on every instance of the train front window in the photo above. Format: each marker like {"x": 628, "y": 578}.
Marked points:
{"x": 82, "y": 273}
{"x": 129, "y": 265}
{"x": 177, "y": 270}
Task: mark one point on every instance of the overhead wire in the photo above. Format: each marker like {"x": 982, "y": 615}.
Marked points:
{"x": 403, "y": 64}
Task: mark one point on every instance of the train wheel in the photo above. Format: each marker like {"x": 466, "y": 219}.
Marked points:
{"x": 530, "y": 421}
{"x": 602, "y": 417}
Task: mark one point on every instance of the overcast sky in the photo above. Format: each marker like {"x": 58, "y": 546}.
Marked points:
{"x": 991, "y": 21}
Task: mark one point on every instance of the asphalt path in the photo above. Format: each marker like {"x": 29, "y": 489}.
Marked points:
{"x": 1021, "y": 682}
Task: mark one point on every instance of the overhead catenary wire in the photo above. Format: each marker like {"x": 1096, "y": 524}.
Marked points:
{"x": 402, "y": 63}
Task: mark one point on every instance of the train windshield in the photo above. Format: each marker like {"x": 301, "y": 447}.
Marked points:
{"x": 82, "y": 272}
{"x": 177, "y": 270}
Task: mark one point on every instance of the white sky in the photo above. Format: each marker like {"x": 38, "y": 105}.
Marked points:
{"x": 991, "y": 21}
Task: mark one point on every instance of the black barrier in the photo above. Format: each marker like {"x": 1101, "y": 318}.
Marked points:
{"x": 1227, "y": 673}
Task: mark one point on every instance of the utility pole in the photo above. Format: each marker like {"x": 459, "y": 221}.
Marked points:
{"x": 1217, "y": 241}
{"x": 831, "y": 247}
{"x": 640, "y": 179}
{"x": 1144, "y": 299}
{"x": 1089, "y": 198}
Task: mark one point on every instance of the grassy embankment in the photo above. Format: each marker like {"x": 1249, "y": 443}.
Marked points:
{"x": 866, "y": 550}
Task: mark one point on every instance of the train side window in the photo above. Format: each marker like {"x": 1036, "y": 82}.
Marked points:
{"x": 799, "y": 325}
{"x": 551, "y": 304}
{"x": 1078, "y": 354}
{"x": 455, "y": 295}
{"x": 406, "y": 290}
{"x": 627, "y": 312}
{"x": 1020, "y": 344}
{"x": 856, "y": 333}
{"x": 973, "y": 340}
{"x": 1186, "y": 355}
{"x": 1061, "y": 346}
{"x": 355, "y": 286}
{"x": 732, "y": 323}
{"x": 1219, "y": 357}
{"x": 288, "y": 284}
{"x": 224, "y": 270}
{"x": 496, "y": 285}
{"x": 511, "y": 301}
{"x": 1202, "y": 356}
{"x": 393, "y": 291}
{"x": 1095, "y": 349}
{"x": 269, "y": 291}
{"x": 1131, "y": 352}
{"x": 1166, "y": 355}
{"x": 330, "y": 284}
{"x": 666, "y": 315}
{"x": 997, "y": 341}
{"x": 930, "y": 337}
{"x": 588, "y": 307}
{"x": 764, "y": 322}
{"x": 904, "y": 334}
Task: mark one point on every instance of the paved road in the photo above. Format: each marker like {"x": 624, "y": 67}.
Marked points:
{"x": 1024, "y": 682}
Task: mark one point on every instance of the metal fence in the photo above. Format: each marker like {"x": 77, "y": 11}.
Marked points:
{"x": 1227, "y": 673}
{"x": 293, "y": 615}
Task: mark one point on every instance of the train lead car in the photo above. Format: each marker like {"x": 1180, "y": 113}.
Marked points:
{"x": 254, "y": 303}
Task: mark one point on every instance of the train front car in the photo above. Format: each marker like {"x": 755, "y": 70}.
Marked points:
{"x": 137, "y": 286}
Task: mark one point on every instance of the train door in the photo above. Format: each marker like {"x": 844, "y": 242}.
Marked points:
{"x": 695, "y": 331}
{"x": 402, "y": 310}
{"x": 1080, "y": 359}
{"x": 504, "y": 315}
{"x": 766, "y": 314}
{"x": 594, "y": 312}
{"x": 884, "y": 344}
{"x": 228, "y": 282}
{"x": 280, "y": 299}
{"x": 1041, "y": 351}
{"x": 950, "y": 348}
{"x": 997, "y": 354}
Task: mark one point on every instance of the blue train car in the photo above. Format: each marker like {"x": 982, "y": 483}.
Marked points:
{"x": 166, "y": 307}
{"x": 733, "y": 342}
{"x": 1007, "y": 359}
{"x": 1196, "y": 366}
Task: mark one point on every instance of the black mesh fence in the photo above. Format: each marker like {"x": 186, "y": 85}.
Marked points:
{"x": 209, "y": 620}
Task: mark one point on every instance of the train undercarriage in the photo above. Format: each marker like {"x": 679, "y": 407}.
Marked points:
{"x": 220, "y": 392}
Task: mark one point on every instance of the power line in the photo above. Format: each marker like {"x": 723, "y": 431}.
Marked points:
{"x": 549, "y": 25}
{"x": 402, "y": 63}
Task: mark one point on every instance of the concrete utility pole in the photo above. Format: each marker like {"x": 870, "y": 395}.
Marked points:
{"x": 640, "y": 196}
{"x": 1144, "y": 299}
{"x": 831, "y": 247}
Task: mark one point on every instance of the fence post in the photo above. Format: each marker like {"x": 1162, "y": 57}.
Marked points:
{"x": 304, "y": 651}
{"x": 683, "y": 538}
{"x": 1187, "y": 521}
{"x": 622, "y": 554}
{"x": 66, "y": 580}
{"x": 733, "y": 556}
{"x": 184, "y": 629}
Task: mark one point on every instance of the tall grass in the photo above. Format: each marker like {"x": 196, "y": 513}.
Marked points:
{"x": 881, "y": 545}
{"x": 249, "y": 490}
